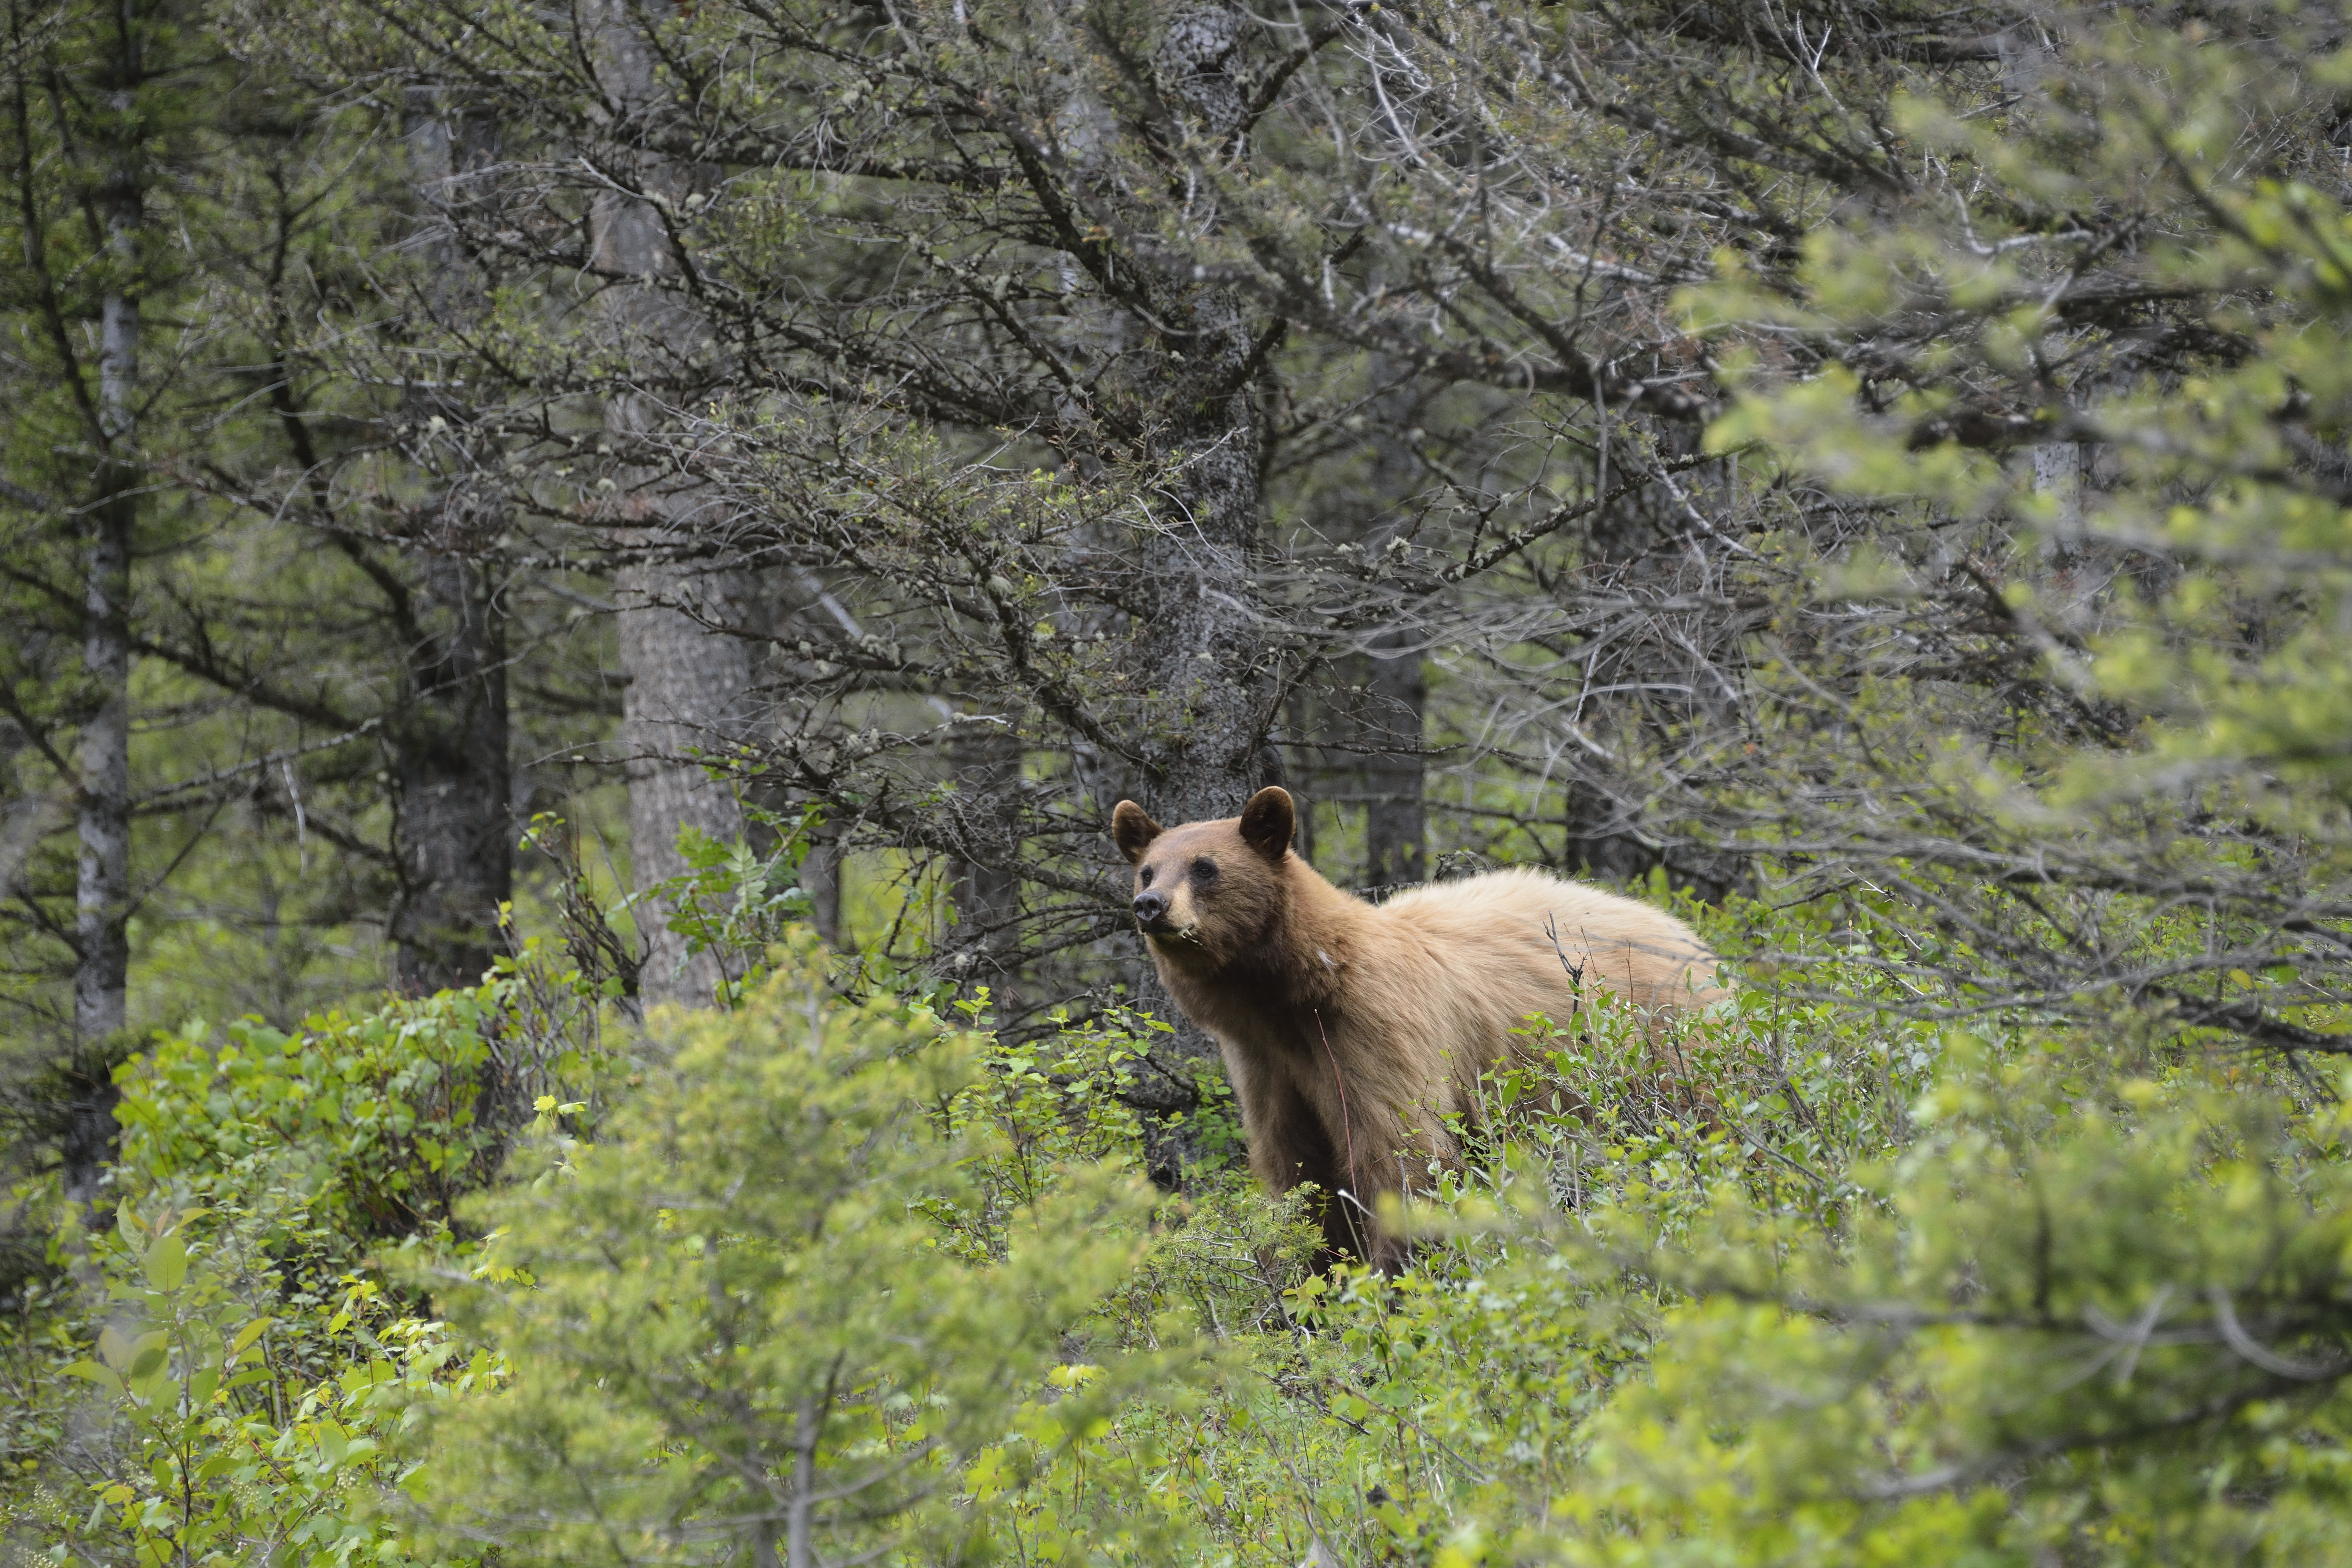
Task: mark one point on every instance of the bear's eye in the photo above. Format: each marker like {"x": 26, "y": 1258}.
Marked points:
{"x": 1204, "y": 870}
{"x": 1143, "y": 878}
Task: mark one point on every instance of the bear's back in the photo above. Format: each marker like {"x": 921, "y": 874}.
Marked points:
{"x": 1501, "y": 926}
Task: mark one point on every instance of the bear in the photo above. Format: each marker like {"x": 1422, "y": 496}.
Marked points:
{"x": 1352, "y": 1030}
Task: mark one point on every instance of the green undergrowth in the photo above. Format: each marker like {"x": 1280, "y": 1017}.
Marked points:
{"x": 1799, "y": 1279}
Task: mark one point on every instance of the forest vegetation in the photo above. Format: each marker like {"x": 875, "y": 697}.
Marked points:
{"x": 578, "y": 583}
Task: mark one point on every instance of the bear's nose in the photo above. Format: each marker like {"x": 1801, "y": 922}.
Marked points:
{"x": 1149, "y": 907}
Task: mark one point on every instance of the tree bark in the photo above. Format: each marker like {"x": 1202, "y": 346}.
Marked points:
{"x": 1639, "y": 551}
{"x": 688, "y": 681}
{"x": 1203, "y": 654}
{"x": 1396, "y": 816}
{"x": 821, "y": 881}
{"x": 2058, "y": 474}
{"x": 102, "y": 812}
{"x": 1204, "y": 743}
{"x": 1396, "y": 688}
{"x": 455, "y": 832}
{"x": 103, "y": 886}
{"x": 686, "y": 694}
{"x": 986, "y": 945}
{"x": 453, "y": 825}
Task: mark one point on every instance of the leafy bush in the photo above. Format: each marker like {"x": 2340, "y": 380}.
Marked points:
{"x": 373, "y": 1124}
{"x": 248, "y": 1364}
{"x": 229, "y": 1421}
{"x": 1881, "y": 1292}
{"x": 736, "y": 1323}
{"x": 1794, "y": 1281}
{"x": 2087, "y": 1317}
{"x": 372, "y": 1119}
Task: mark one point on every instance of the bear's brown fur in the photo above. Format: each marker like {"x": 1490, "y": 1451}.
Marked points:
{"x": 1352, "y": 1030}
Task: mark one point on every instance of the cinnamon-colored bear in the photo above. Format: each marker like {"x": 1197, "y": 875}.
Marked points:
{"x": 1352, "y": 1030}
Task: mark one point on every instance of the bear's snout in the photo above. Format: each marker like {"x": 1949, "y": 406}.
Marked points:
{"x": 1150, "y": 909}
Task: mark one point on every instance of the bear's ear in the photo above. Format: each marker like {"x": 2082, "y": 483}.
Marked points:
{"x": 1132, "y": 831}
{"x": 1268, "y": 822}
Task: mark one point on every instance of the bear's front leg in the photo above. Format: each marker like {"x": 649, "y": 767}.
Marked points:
{"x": 1386, "y": 1149}
{"x": 1288, "y": 1145}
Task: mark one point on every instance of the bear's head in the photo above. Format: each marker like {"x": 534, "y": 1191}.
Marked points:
{"x": 1209, "y": 892}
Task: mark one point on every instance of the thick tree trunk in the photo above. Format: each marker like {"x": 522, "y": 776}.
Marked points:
{"x": 455, "y": 833}
{"x": 1204, "y": 652}
{"x": 686, "y": 694}
{"x": 1639, "y": 551}
{"x": 102, "y": 884}
{"x": 2058, "y": 468}
{"x": 1396, "y": 688}
{"x": 104, "y": 816}
{"x": 1204, "y": 749}
{"x": 1603, "y": 838}
{"x": 688, "y": 680}
{"x": 1205, "y": 745}
{"x": 454, "y": 829}
{"x": 102, "y": 888}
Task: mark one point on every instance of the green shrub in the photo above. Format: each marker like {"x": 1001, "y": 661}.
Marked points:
{"x": 372, "y": 1123}
{"x": 737, "y": 1324}
{"x": 228, "y": 1421}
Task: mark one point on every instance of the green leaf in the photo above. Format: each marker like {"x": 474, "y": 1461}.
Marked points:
{"x": 167, "y": 1262}
{"x": 103, "y": 1376}
{"x": 246, "y": 1335}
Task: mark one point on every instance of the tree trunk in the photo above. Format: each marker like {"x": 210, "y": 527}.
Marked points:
{"x": 1639, "y": 552}
{"x": 687, "y": 693}
{"x": 1396, "y": 817}
{"x": 2058, "y": 474}
{"x": 985, "y": 948}
{"x": 688, "y": 681}
{"x": 454, "y": 828}
{"x": 1204, "y": 745}
{"x": 1203, "y": 651}
{"x": 455, "y": 832}
{"x": 102, "y": 814}
{"x": 1396, "y": 688}
{"x": 102, "y": 884}
{"x": 102, "y": 888}
{"x": 821, "y": 881}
